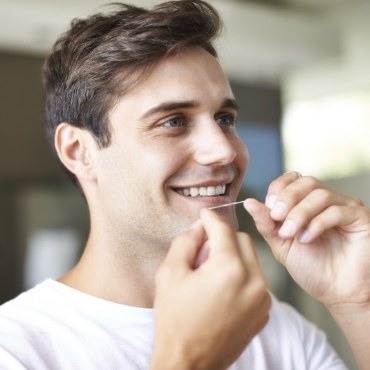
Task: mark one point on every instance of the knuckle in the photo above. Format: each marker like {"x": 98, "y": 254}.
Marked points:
{"x": 312, "y": 181}
{"x": 234, "y": 275}
{"x": 335, "y": 210}
{"x": 325, "y": 195}
{"x": 356, "y": 202}
{"x": 261, "y": 288}
{"x": 257, "y": 288}
{"x": 236, "y": 271}
{"x": 275, "y": 188}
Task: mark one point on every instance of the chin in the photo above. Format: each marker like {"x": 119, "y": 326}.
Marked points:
{"x": 229, "y": 217}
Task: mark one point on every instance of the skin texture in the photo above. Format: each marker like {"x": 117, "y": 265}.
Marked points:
{"x": 176, "y": 130}
{"x": 323, "y": 239}
{"x": 221, "y": 297}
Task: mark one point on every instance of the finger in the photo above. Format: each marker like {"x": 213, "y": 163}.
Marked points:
{"x": 221, "y": 237}
{"x": 278, "y": 185}
{"x": 248, "y": 252}
{"x": 184, "y": 249}
{"x": 256, "y": 280}
{"x": 292, "y": 194}
{"x": 202, "y": 255}
{"x": 261, "y": 216}
{"x": 299, "y": 215}
{"x": 349, "y": 219}
{"x": 268, "y": 228}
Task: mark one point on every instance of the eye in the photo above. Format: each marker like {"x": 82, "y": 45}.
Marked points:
{"x": 174, "y": 122}
{"x": 226, "y": 120}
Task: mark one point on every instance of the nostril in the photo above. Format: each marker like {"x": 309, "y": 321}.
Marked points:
{"x": 212, "y": 153}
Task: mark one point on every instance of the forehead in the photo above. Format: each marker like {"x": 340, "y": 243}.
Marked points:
{"x": 194, "y": 75}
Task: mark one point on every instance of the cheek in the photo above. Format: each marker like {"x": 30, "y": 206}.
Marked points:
{"x": 166, "y": 158}
{"x": 117, "y": 169}
{"x": 242, "y": 155}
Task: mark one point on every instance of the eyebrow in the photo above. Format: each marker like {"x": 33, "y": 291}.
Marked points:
{"x": 230, "y": 103}
{"x": 174, "y": 105}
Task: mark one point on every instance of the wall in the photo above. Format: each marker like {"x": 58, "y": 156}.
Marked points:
{"x": 34, "y": 193}
{"x": 25, "y": 158}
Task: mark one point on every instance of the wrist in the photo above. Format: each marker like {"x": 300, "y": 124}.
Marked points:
{"x": 158, "y": 363}
{"x": 349, "y": 309}
{"x": 169, "y": 359}
{"x": 181, "y": 359}
{"x": 354, "y": 321}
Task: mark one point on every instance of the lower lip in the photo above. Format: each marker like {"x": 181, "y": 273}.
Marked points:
{"x": 208, "y": 201}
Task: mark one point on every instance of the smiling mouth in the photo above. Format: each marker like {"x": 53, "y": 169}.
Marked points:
{"x": 203, "y": 191}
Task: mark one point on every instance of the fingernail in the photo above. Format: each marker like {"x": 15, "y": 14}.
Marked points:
{"x": 270, "y": 201}
{"x": 288, "y": 229}
{"x": 279, "y": 210}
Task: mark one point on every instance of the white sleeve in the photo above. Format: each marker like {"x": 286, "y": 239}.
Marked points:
{"x": 7, "y": 361}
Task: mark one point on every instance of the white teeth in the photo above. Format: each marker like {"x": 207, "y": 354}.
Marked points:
{"x": 211, "y": 190}
{"x": 194, "y": 192}
{"x": 203, "y": 191}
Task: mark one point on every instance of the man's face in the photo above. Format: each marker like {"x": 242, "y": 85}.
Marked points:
{"x": 174, "y": 151}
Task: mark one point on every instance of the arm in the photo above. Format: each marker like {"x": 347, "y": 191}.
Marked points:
{"x": 206, "y": 316}
{"x": 323, "y": 239}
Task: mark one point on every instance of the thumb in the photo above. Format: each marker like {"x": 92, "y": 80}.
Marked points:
{"x": 268, "y": 228}
{"x": 261, "y": 217}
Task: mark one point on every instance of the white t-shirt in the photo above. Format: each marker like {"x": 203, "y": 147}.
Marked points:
{"x": 53, "y": 326}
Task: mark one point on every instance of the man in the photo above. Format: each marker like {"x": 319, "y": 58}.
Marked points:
{"x": 144, "y": 121}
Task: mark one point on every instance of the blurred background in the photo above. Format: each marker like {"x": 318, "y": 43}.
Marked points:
{"x": 300, "y": 71}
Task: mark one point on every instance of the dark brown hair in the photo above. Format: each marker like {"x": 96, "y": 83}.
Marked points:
{"x": 100, "y": 58}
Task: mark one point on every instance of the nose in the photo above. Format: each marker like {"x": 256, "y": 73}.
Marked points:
{"x": 213, "y": 145}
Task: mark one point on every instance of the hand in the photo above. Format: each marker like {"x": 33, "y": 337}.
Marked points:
{"x": 205, "y": 316}
{"x": 322, "y": 237}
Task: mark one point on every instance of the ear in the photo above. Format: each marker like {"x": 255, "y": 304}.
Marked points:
{"x": 73, "y": 146}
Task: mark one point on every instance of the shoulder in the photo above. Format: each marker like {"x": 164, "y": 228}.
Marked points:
{"x": 28, "y": 304}
{"x": 22, "y": 321}
{"x": 31, "y": 296}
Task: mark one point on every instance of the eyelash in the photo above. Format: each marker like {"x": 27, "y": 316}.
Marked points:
{"x": 178, "y": 118}
{"x": 232, "y": 120}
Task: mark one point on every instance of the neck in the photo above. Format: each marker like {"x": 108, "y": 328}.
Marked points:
{"x": 122, "y": 275}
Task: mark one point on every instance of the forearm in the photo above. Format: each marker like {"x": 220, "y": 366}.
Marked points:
{"x": 354, "y": 321}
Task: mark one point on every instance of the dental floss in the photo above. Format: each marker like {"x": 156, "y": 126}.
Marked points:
{"x": 226, "y": 205}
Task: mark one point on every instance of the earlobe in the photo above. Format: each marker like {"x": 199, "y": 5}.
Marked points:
{"x": 73, "y": 146}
